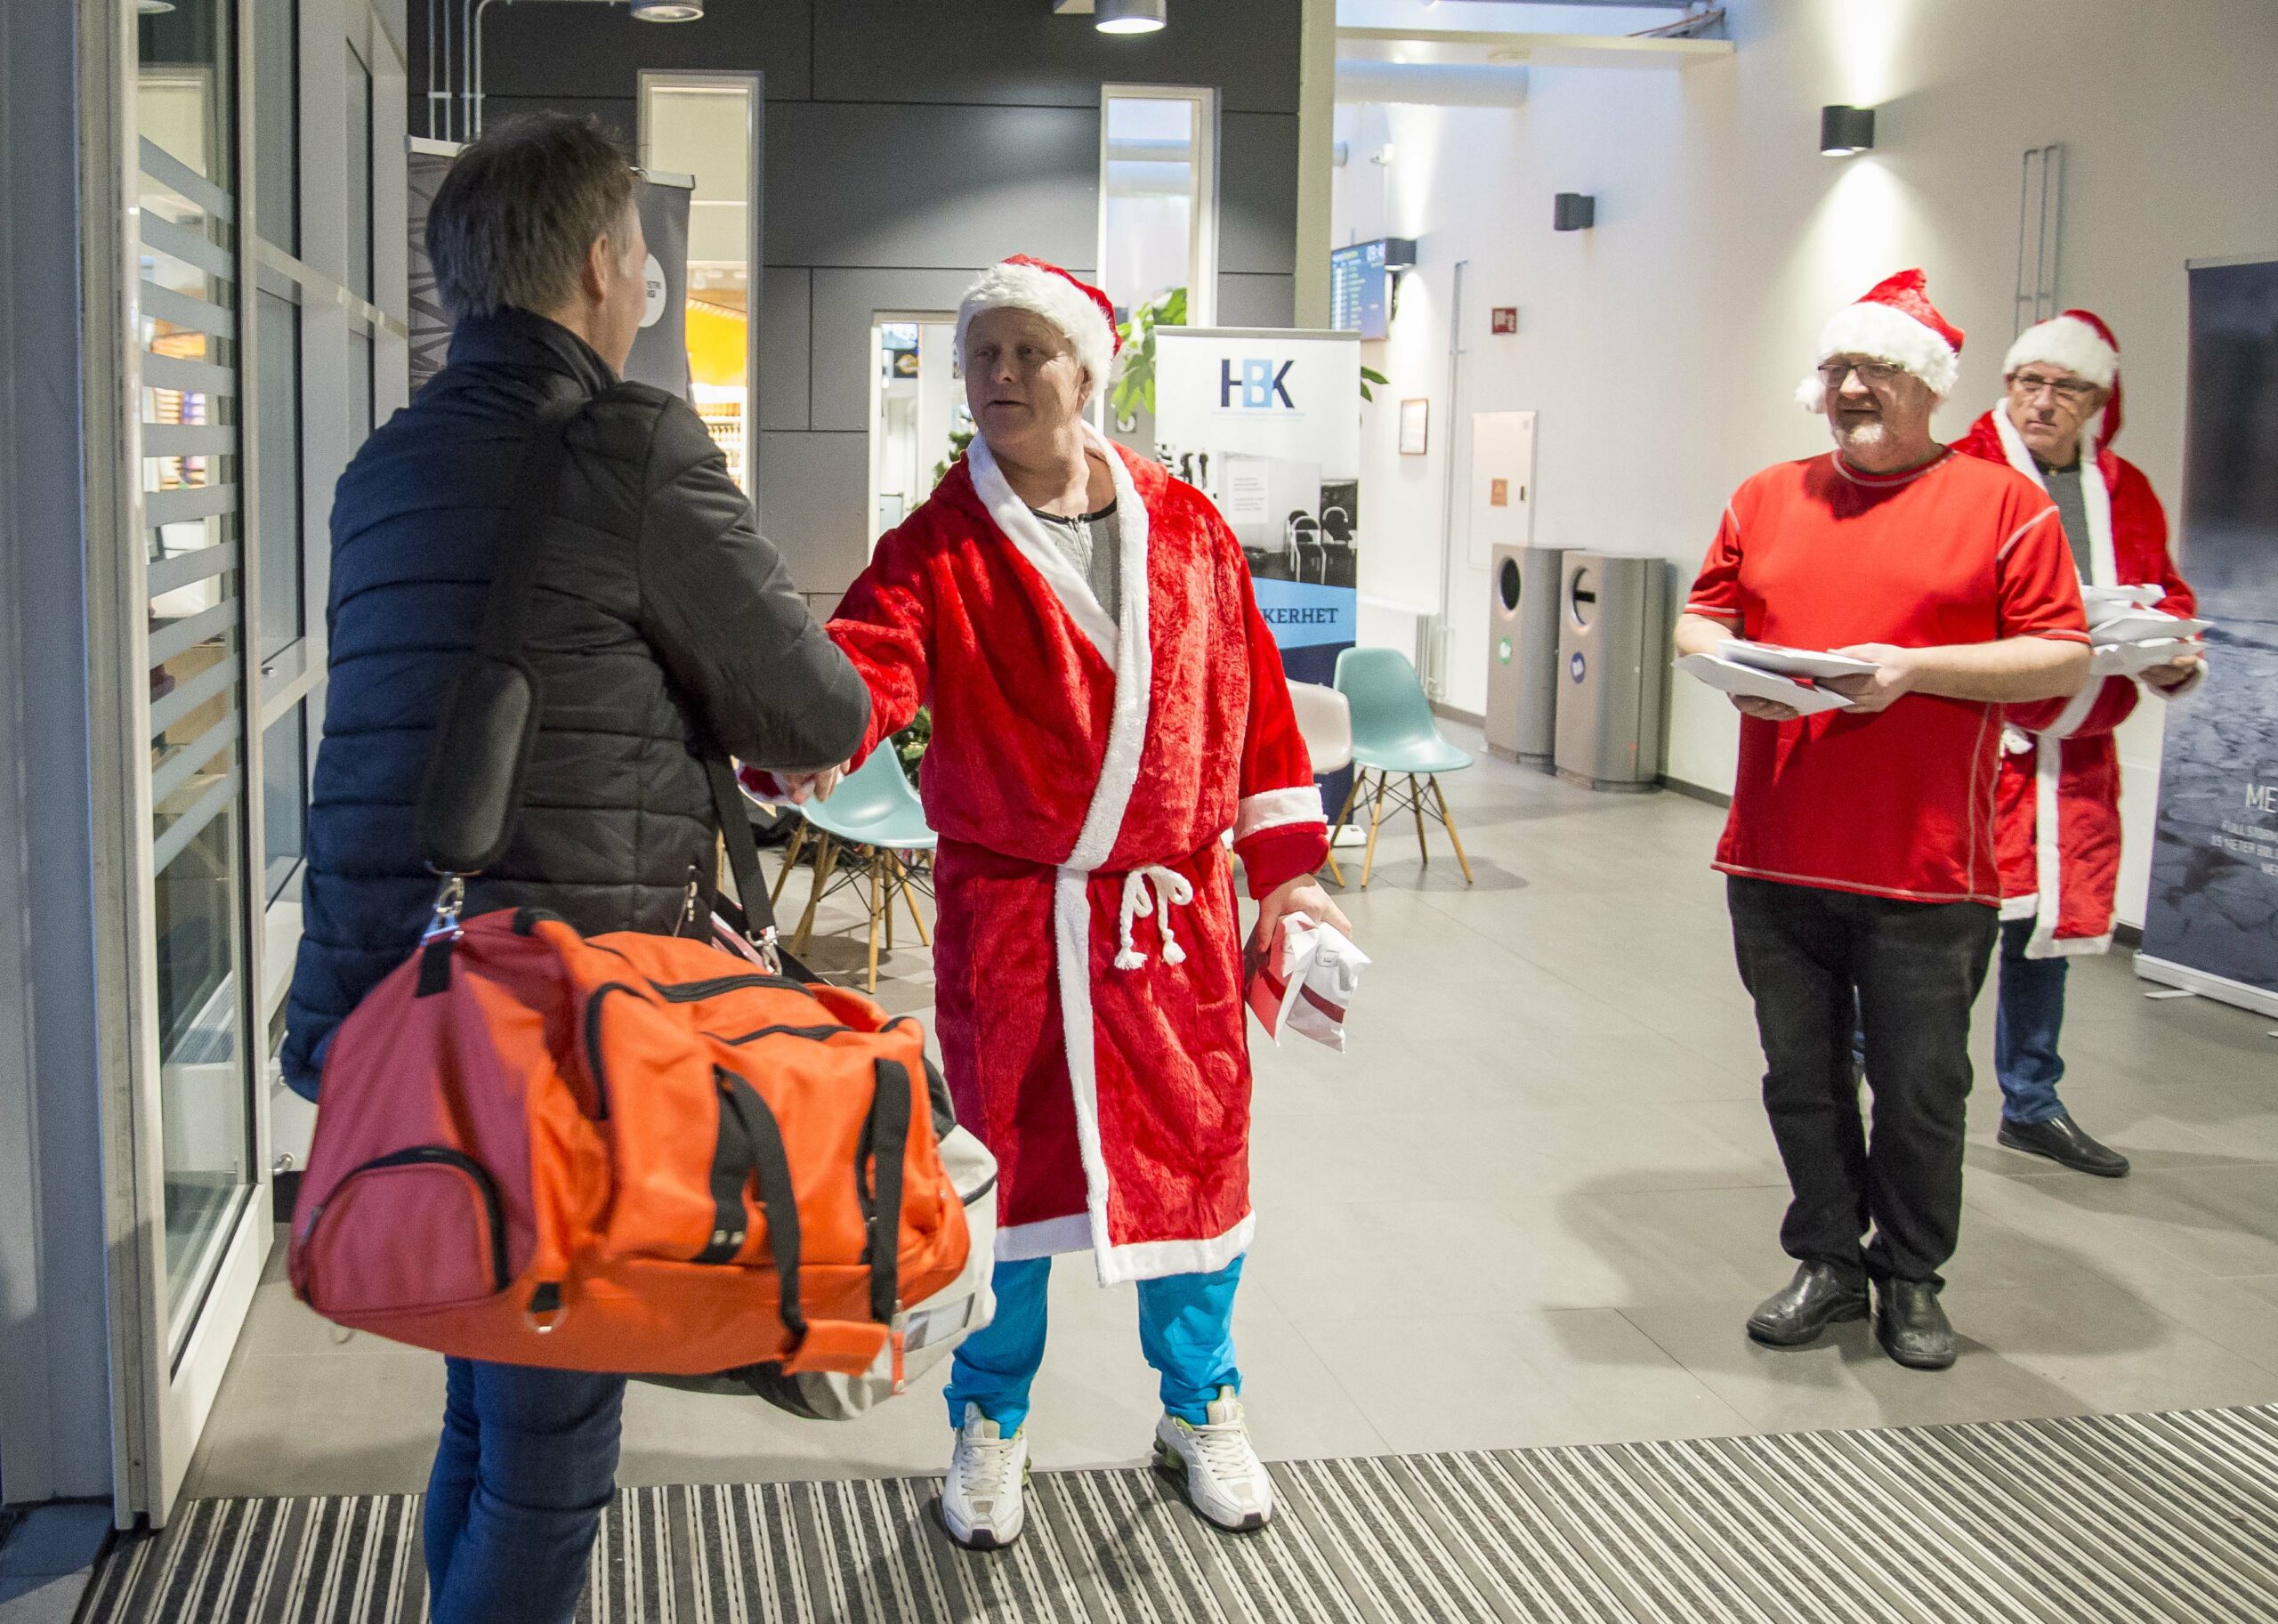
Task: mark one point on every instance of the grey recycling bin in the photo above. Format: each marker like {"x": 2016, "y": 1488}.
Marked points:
{"x": 1523, "y": 654}
{"x": 1613, "y": 660}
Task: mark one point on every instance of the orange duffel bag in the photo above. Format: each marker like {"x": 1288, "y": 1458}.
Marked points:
{"x": 627, "y": 1153}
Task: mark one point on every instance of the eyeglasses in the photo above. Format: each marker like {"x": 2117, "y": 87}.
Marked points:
{"x": 1874, "y": 374}
{"x": 2073, "y": 392}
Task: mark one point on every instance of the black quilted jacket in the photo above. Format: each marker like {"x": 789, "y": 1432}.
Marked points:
{"x": 663, "y": 623}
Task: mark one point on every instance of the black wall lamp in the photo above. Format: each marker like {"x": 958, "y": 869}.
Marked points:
{"x": 1845, "y": 131}
{"x": 1573, "y": 211}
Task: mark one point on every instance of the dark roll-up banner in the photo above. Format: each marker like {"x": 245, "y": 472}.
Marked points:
{"x": 659, "y": 352}
{"x": 2212, "y": 924}
{"x": 425, "y": 166}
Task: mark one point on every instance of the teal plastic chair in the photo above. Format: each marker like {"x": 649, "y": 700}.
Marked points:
{"x": 869, "y": 828}
{"x": 1395, "y": 736}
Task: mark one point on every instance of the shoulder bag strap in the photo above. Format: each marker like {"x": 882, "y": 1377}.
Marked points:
{"x": 471, "y": 790}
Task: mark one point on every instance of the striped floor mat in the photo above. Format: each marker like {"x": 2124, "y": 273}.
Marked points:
{"x": 2157, "y": 1517}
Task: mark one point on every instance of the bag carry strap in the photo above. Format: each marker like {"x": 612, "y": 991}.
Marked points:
{"x": 471, "y": 790}
{"x": 743, "y": 852}
{"x": 751, "y": 1146}
{"x": 886, "y": 1145}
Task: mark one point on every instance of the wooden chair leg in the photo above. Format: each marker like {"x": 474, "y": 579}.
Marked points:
{"x": 1343, "y": 816}
{"x": 885, "y": 867}
{"x": 1416, "y": 805}
{"x": 826, "y": 858}
{"x": 790, "y": 862}
{"x": 909, "y": 900}
{"x": 1344, "y": 813}
{"x": 1375, "y": 822}
{"x": 1449, "y": 819}
{"x": 877, "y": 910}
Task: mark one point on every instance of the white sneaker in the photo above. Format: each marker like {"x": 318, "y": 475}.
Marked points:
{"x": 1225, "y": 1480}
{"x": 983, "y": 1505}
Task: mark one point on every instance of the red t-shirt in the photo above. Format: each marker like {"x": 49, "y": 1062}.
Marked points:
{"x": 1817, "y": 555}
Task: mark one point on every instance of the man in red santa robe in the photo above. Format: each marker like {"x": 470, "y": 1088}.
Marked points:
{"x": 2058, "y": 827}
{"x": 1108, "y": 705}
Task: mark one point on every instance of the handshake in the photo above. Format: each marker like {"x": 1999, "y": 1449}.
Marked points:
{"x": 797, "y": 788}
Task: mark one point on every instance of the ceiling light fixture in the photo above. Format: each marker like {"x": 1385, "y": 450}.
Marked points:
{"x": 1845, "y": 130}
{"x": 153, "y": 8}
{"x": 1130, "y": 16}
{"x": 668, "y": 10}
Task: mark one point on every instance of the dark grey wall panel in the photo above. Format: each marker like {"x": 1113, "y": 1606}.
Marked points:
{"x": 599, "y": 50}
{"x": 1257, "y": 301}
{"x": 1015, "y": 52}
{"x": 845, "y": 304}
{"x": 623, "y": 115}
{"x": 1257, "y": 192}
{"x": 784, "y": 296}
{"x": 878, "y": 185}
{"x": 812, "y": 489}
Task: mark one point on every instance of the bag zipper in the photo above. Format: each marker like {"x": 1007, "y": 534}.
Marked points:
{"x": 594, "y": 1045}
{"x": 813, "y": 1034}
{"x": 439, "y": 1156}
{"x": 696, "y": 992}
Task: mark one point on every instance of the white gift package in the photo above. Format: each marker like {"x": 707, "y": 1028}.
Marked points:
{"x": 1304, "y": 980}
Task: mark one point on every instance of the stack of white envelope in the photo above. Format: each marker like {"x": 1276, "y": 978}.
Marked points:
{"x": 2131, "y": 633}
{"x": 1769, "y": 671}
{"x": 1304, "y": 978}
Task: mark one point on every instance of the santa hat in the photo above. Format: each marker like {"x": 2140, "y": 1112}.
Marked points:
{"x": 2081, "y": 342}
{"x": 1894, "y": 322}
{"x": 1084, "y": 314}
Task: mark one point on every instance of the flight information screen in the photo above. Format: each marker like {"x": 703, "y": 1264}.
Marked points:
{"x": 1361, "y": 284}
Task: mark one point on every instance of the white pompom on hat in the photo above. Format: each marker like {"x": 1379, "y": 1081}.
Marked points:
{"x": 1893, "y": 321}
{"x": 1084, "y": 314}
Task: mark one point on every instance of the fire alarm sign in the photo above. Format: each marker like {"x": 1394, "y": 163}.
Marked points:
{"x": 1507, "y": 318}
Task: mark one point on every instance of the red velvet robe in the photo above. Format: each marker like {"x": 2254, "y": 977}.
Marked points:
{"x": 1082, "y": 776}
{"x": 2057, "y": 825}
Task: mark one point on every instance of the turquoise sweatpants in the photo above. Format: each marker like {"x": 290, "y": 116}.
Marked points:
{"x": 1186, "y": 1330}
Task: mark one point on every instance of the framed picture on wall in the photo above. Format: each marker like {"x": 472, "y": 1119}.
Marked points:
{"x": 1415, "y": 427}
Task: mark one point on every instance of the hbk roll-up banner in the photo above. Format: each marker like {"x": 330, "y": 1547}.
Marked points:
{"x": 1267, "y": 421}
{"x": 2212, "y": 923}
{"x": 660, "y": 351}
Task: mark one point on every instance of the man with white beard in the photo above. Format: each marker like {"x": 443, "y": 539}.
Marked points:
{"x": 1860, "y": 849}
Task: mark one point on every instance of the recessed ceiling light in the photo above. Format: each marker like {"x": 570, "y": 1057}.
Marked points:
{"x": 1130, "y": 16}
{"x": 668, "y": 10}
{"x": 154, "y": 8}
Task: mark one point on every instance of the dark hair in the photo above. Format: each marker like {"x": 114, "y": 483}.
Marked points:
{"x": 520, "y": 209}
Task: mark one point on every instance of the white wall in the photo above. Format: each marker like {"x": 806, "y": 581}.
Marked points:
{"x": 1663, "y": 347}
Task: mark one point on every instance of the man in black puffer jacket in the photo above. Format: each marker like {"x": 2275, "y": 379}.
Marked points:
{"x": 663, "y": 627}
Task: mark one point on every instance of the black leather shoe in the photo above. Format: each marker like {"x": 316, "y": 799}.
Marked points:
{"x": 1818, "y": 1296}
{"x": 2063, "y": 1142}
{"x": 1911, "y": 1326}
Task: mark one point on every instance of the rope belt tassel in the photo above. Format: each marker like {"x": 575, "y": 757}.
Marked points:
{"x": 1171, "y": 889}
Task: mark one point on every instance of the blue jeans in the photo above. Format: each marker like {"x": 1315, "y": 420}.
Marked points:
{"x": 2029, "y": 1016}
{"x": 1186, "y": 1328}
{"x": 527, "y": 1465}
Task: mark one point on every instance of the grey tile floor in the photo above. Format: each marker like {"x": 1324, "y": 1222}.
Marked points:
{"x": 1530, "y": 1205}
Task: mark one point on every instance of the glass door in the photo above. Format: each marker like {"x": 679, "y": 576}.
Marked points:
{"x": 202, "y": 1203}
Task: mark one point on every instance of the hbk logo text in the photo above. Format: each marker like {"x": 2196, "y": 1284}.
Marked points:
{"x": 1260, "y": 385}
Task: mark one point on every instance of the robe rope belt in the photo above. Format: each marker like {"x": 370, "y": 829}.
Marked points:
{"x": 1171, "y": 890}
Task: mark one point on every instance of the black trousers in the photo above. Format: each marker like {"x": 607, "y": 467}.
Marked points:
{"x": 1815, "y": 961}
